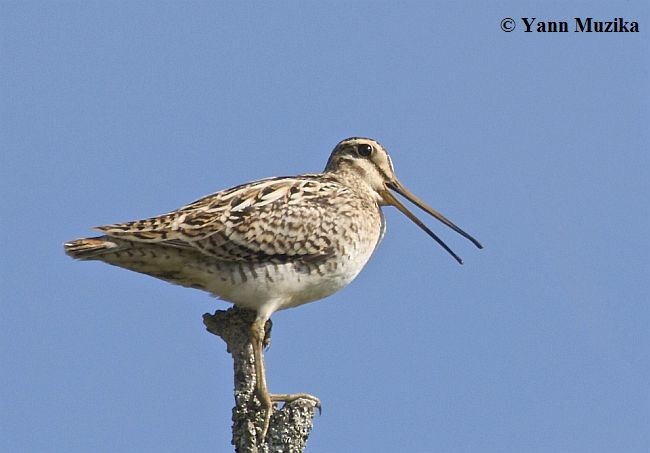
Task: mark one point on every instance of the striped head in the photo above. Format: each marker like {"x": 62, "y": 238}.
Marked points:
{"x": 369, "y": 161}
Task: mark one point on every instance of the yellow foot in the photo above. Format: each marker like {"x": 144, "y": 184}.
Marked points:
{"x": 286, "y": 398}
{"x": 289, "y": 397}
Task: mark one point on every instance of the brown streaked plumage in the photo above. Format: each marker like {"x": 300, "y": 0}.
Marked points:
{"x": 269, "y": 244}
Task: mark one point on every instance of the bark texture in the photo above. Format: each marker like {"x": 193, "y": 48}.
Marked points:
{"x": 290, "y": 426}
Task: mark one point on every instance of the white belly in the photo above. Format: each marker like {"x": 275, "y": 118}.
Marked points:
{"x": 286, "y": 284}
{"x": 289, "y": 285}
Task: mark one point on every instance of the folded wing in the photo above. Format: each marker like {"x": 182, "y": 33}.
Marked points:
{"x": 277, "y": 219}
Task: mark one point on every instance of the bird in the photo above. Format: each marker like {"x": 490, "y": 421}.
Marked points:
{"x": 270, "y": 244}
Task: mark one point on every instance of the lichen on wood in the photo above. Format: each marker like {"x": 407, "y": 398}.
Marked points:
{"x": 290, "y": 425}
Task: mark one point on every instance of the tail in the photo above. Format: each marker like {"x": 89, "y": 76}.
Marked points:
{"x": 90, "y": 248}
{"x": 176, "y": 265}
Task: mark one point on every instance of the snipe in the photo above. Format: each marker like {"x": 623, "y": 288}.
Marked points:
{"x": 270, "y": 244}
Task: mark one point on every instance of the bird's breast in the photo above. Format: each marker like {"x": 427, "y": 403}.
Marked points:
{"x": 351, "y": 238}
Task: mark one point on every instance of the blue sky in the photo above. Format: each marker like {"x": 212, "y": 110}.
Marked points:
{"x": 536, "y": 144}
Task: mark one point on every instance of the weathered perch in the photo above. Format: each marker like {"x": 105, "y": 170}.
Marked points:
{"x": 290, "y": 426}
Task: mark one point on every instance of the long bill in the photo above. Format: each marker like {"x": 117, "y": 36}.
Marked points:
{"x": 403, "y": 191}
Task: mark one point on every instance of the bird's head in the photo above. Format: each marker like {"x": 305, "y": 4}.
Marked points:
{"x": 368, "y": 160}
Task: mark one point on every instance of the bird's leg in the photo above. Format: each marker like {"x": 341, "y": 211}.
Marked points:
{"x": 258, "y": 337}
{"x": 258, "y": 334}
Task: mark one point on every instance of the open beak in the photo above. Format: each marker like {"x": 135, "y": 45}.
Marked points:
{"x": 389, "y": 198}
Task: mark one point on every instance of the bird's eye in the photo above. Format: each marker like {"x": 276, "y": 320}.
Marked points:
{"x": 364, "y": 150}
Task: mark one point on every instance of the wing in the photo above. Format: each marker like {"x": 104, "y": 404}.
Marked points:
{"x": 276, "y": 219}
